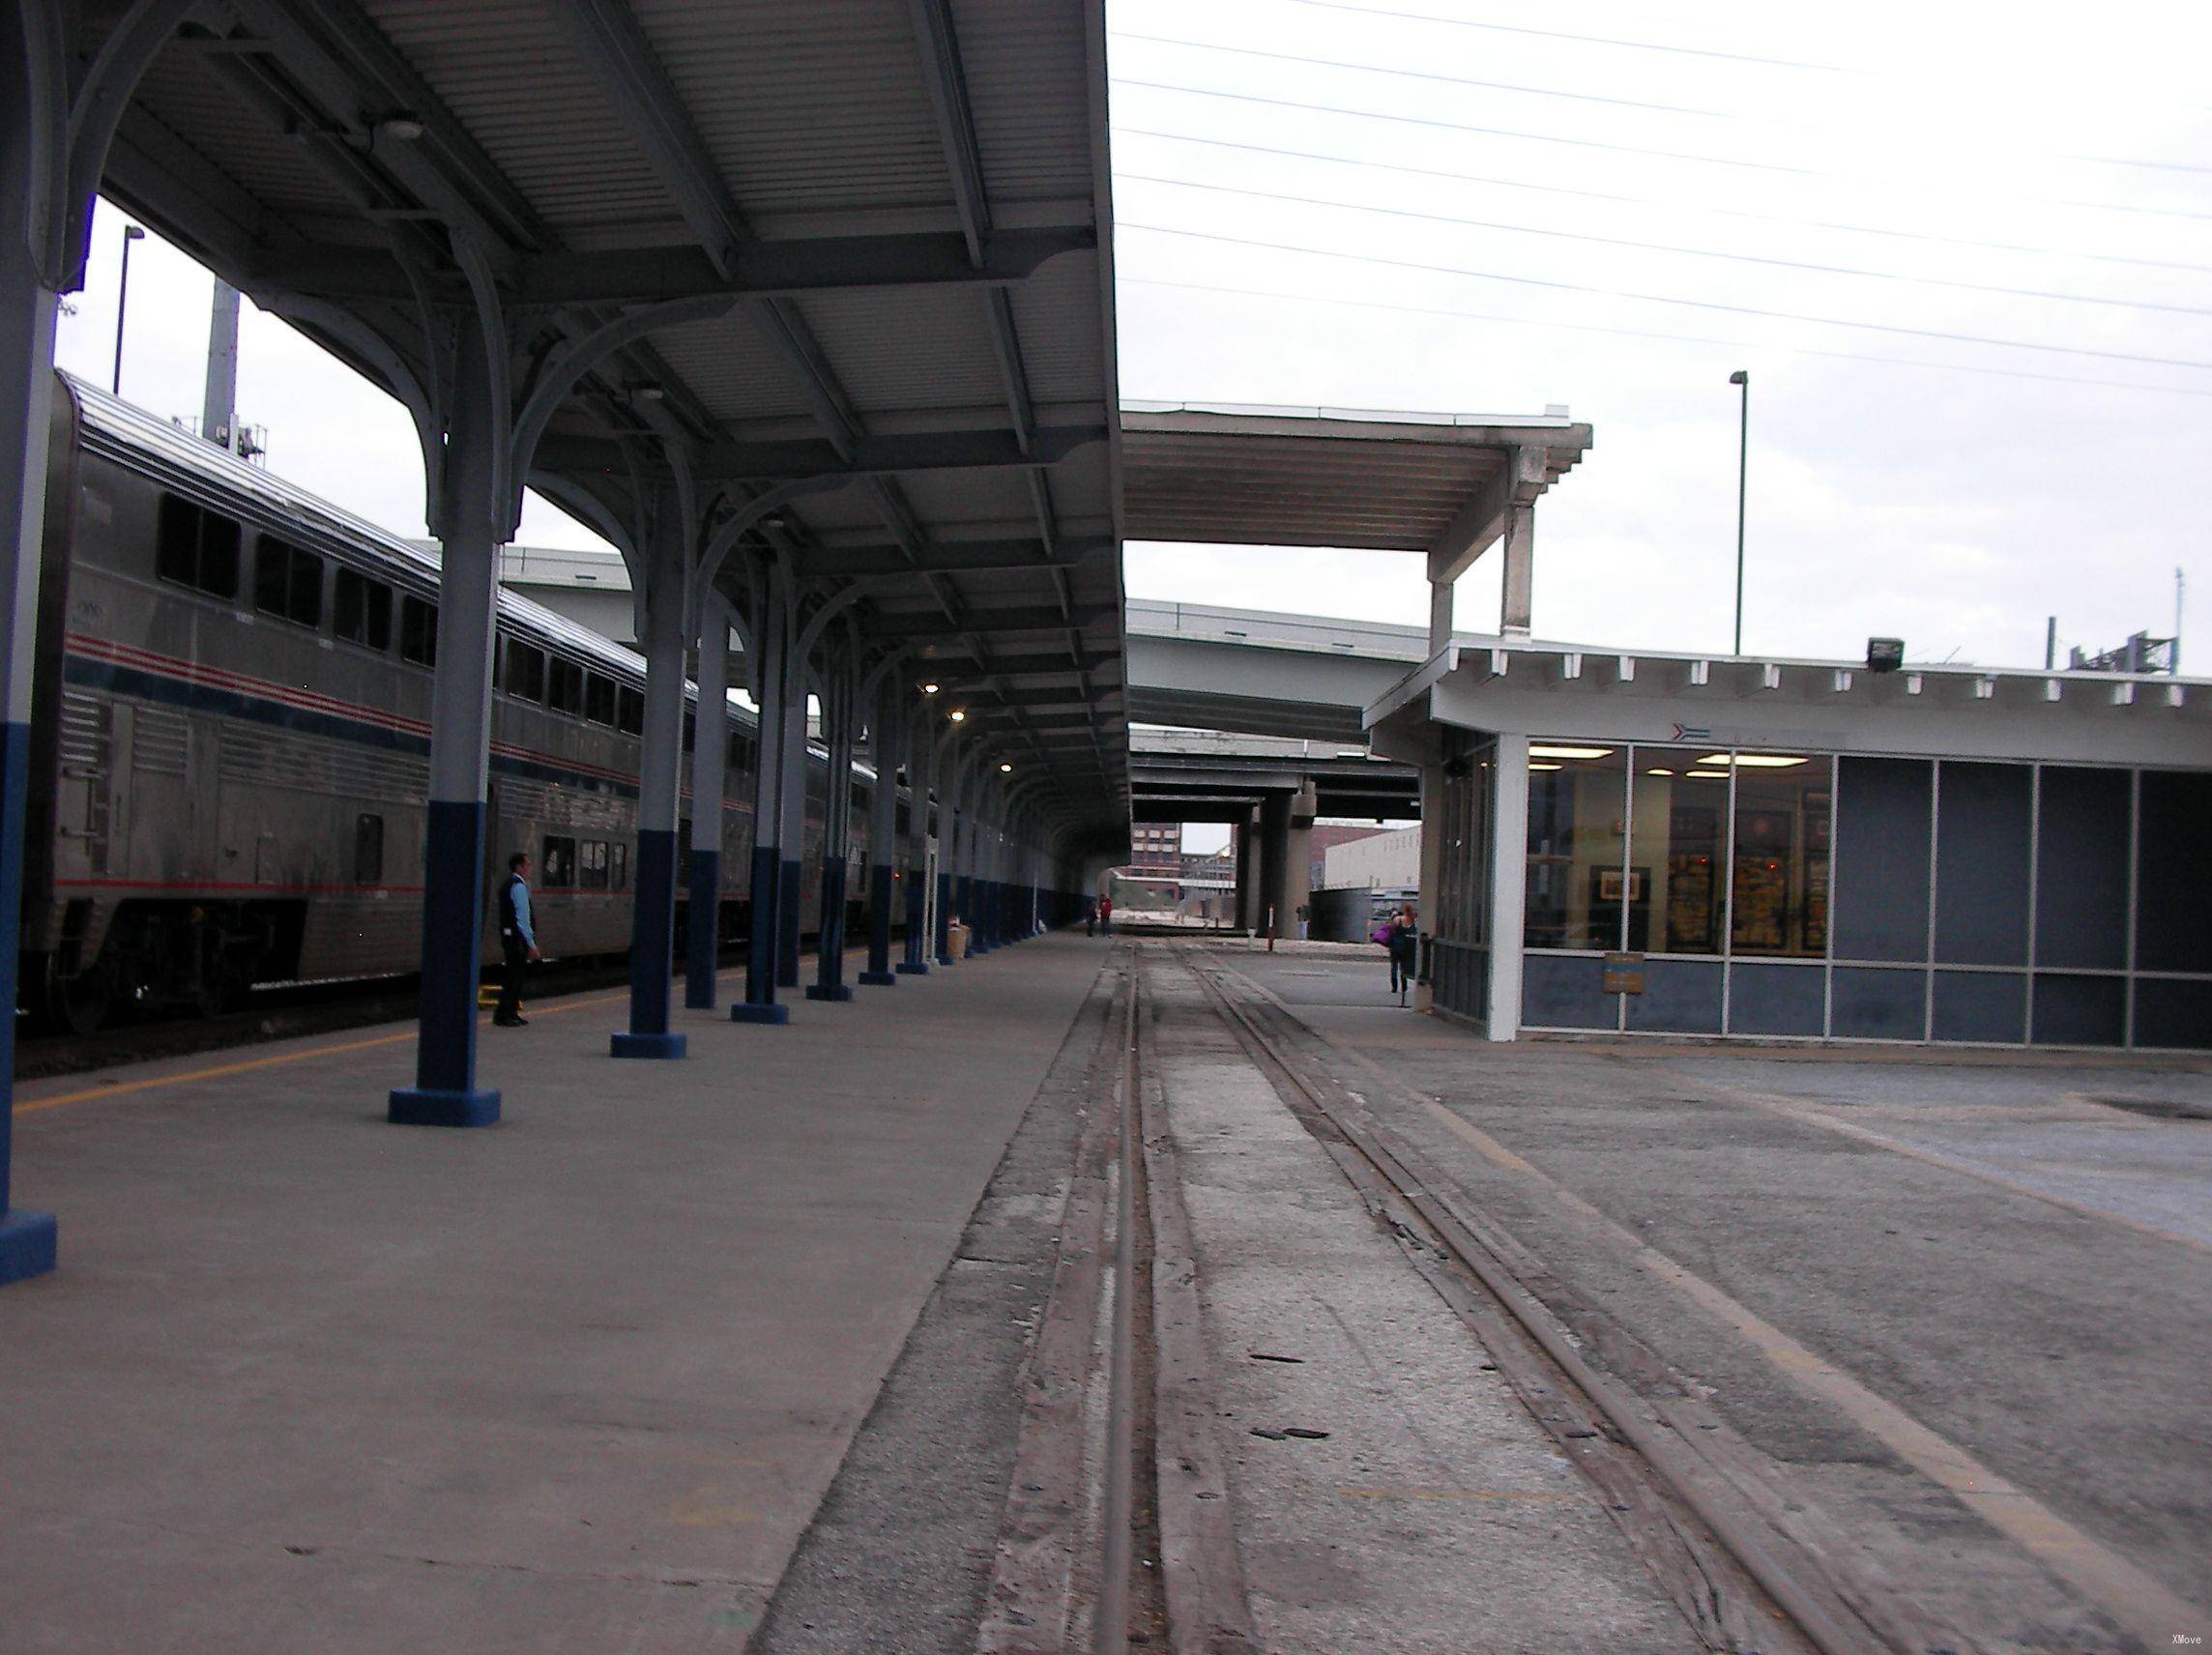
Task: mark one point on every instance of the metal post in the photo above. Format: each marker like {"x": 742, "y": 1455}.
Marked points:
{"x": 710, "y": 782}
{"x": 920, "y": 770}
{"x": 131, "y": 234}
{"x": 653, "y": 912}
{"x": 838, "y": 721}
{"x": 1742, "y": 379}
{"x": 474, "y": 514}
{"x": 798, "y": 765}
{"x": 949, "y": 815}
{"x": 219, "y": 402}
{"x": 28, "y": 1241}
{"x": 771, "y": 638}
{"x": 882, "y": 826}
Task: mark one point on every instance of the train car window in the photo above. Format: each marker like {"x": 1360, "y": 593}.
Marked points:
{"x": 592, "y": 864}
{"x": 557, "y": 867}
{"x": 368, "y": 849}
{"x": 690, "y": 731}
{"x": 621, "y": 872}
{"x": 197, "y": 549}
{"x": 360, "y": 610}
{"x": 525, "y": 671}
{"x": 630, "y": 711}
{"x": 419, "y": 631}
{"x": 563, "y": 686}
{"x": 740, "y": 754}
{"x": 288, "y": 582}
{"x": 599, "y": 699}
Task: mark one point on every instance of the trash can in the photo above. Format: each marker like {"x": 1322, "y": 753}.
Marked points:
{"x": 956, "y": 938}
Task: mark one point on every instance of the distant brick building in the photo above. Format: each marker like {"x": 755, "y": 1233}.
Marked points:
{"x": 1155, "y": 848}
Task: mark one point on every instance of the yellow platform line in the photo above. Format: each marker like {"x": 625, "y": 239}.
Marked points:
{"x": 154, "y": 1082}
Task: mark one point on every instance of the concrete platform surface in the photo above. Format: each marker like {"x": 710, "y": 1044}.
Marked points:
{"x": 306, "y": 1381}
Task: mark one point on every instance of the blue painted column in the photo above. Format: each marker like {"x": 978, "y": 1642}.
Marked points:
{"x": 29, "y": 1241}
{"x": 709, "y": 784}
{"x": 883, "y": 827}
{"x": 770, "y": 640}
{"x": 797, "y": 775}
{"x": 653, "y": 914}
{"x": 474, "y": 512}
{"x": 838, "y": 721}
{"x": 921, "y": 767}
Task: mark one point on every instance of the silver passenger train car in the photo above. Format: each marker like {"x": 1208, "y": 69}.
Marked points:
{"x": 230, "y": 739}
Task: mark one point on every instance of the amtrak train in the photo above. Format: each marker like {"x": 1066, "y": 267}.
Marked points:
{"x": 230, "y": 739}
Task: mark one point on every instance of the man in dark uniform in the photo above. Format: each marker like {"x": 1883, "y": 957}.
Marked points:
{"x": 517, "y": 941}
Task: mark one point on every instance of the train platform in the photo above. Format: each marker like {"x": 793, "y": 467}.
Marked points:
{"x": 308, "y": 1382}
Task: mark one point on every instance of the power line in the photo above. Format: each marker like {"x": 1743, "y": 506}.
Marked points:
{"x": 1670, "y": 299}
{"x": 1121, "y": 131}
{"x": 1666, "y": 247}
{"x": 1484, "y": 132}
{"x": 1597, "y": 144}
{"x": 1584, "y": 97}
{"x": 1424, "y": 75}
{"x": 1650, "y": 334}
{"x": 1586, "y": 40}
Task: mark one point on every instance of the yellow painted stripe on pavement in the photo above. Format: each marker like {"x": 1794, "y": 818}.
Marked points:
{"x": 155, "y": 1083}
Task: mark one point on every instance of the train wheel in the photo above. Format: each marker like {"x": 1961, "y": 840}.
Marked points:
{"x": 80, "y": 1004}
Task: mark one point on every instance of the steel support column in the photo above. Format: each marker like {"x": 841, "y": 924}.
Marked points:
{"x": 790, "y": 918}
{"x": 475, "y": 509}
{"x": 665, "y": 632}
{"x": 920, "y": 776}
{"x": 708, "y": 782}
{"x": 839, "y": 715}
{"x": 883, "y": 750}
{"x": 28, "y": 1241}
{"x": 772, "y": 639}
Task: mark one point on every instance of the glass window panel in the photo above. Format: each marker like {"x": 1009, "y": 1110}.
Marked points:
{"x": 2082, "y": 868}
{"x": 1578, "y": 818}
{"x": 2079, "y": 1011}
{"x": 1982, "y": 865}
{"x": 599, "y": 699}
{"x": 360, "y": 609}
{"x": 368, "y": 849}
{"x": 525, "y": 671}
{"x": 2171, "y": 1012}
{"x": 1874, "y": 1004}
{"x": 1681, "y": 846}
{"x": 557, "y": 867}
{"x": 1777, "y": 999}
{"x": 630, "y": 711}
{"x": 1780, "y": 890}
{"x": 563, "y": 686}
{"x": 1981, "y": 1006}
{"x": 1881, "y": 859}
{"x": 419, "y": 631}
{"x": 177, "y": 541}
{"x": 1680, "y": 997}
{"x": 2173, "y": 872}
{"x": 1558, "y": 992}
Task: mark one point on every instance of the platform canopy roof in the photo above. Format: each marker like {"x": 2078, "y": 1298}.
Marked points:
{"x": 1250, "y": 475}
{"x": 863, "y": 247}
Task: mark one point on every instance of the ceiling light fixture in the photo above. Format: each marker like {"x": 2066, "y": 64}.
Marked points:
{"x": 929, "y": 690}
{"x": 1547, "y": 767}
{"x": 1706, "y": 775}
{"x": 958, "y": 715}
{"x": 1570, "y": 752}
{"x": 1754, "y": 761}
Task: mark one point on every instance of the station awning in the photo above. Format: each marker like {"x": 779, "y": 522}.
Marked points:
{"x": 1232, "y": 475}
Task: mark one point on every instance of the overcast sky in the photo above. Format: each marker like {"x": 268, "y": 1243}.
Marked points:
{"x": 1949, "y": 491}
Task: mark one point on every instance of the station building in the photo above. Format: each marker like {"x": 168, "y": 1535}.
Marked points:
{"x": 1739, "y": 845}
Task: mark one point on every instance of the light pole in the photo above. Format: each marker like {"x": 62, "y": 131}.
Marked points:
{"x": 130, "y": 233}
{"x": 1741, "y": 377}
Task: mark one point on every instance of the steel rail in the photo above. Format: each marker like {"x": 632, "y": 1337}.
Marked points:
{"x": 1110, "y": 1622}
{"x": 1831, "y": 1627}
